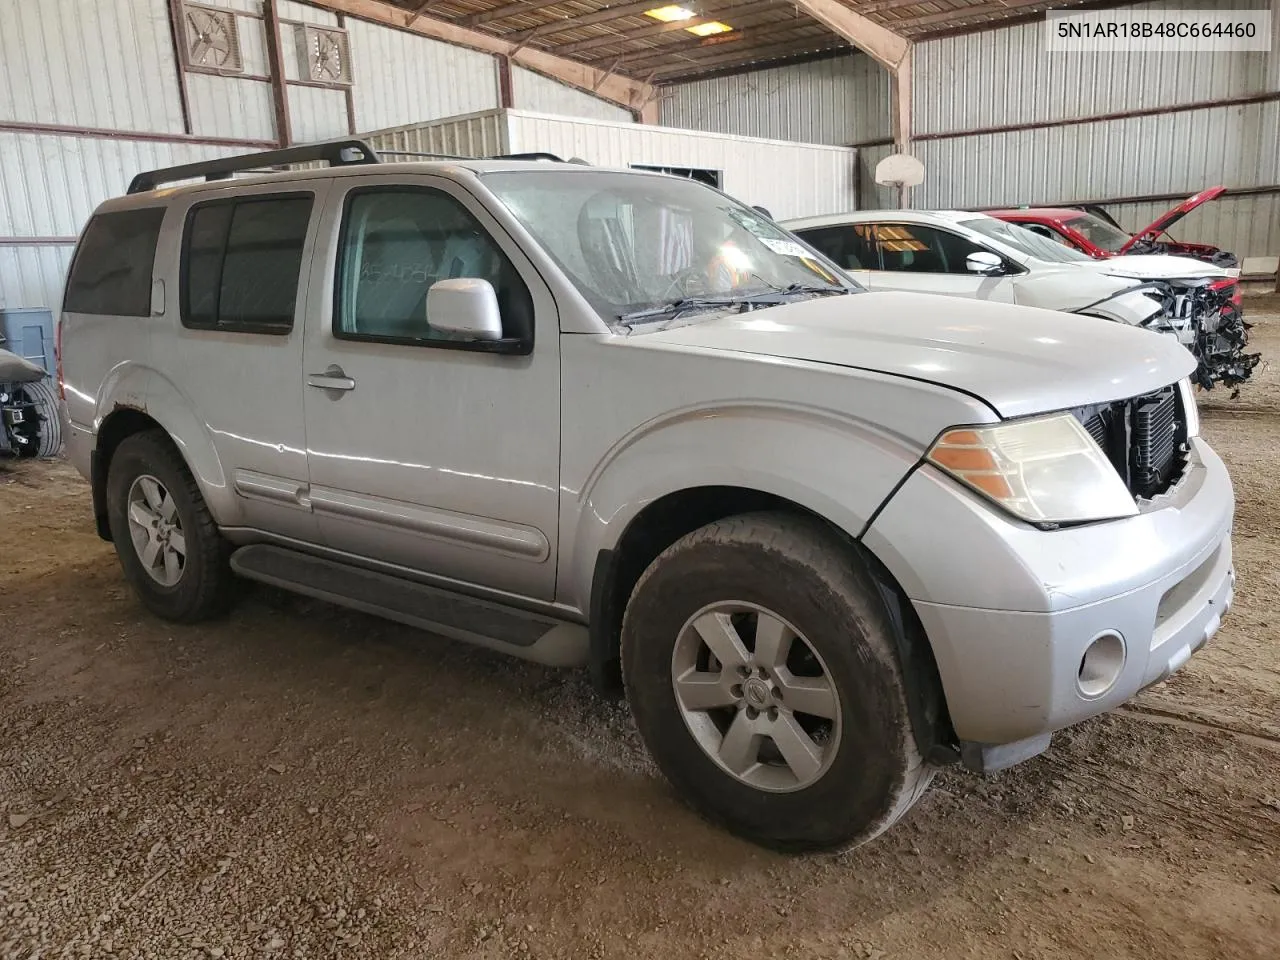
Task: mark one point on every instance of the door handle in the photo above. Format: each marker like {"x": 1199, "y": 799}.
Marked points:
{"x": 332, "y": 379}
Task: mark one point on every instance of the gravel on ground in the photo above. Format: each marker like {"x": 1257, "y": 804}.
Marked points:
{"x": 300, "y": 781}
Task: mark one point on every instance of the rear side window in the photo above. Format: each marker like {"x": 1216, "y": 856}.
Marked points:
{"x": 111, "y": 272}
{"x": 241, "y": 262}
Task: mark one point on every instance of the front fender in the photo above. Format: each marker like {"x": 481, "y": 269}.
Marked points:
{"x": 838, "y": 467}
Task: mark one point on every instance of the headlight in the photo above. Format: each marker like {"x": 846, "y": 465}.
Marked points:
{"x": 1046, "y": 470}
{"x": 1190, "y": 410}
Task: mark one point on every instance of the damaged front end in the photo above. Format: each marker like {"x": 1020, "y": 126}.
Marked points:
{"x": 1201, "y": 313}
{"x": 1205, "y": 319}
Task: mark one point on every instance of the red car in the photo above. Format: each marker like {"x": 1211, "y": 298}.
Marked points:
{"x": 1091, "y": 231}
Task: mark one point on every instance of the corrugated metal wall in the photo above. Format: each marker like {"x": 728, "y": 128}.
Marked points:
{"x": 477, "y": 135}
{"x": 1164, "y": 153}
{"x": 533, "y": 91}
{"x": 1004, "y": 78}
{"x": 432, "y": 79}
{"x": 791, "y": 179}
{"x": 100, "y": 81}
{"x": 838, "y": 101}
{"x": 59, "y": 66}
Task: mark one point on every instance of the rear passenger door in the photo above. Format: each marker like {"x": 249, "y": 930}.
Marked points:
{"x": 234, "y": 360}
{"x": 426, "y": 451}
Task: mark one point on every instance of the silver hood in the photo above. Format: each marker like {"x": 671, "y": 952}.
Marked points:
{"x": 1019, "y": 360}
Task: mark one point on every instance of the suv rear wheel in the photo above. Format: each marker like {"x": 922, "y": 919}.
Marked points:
{"x": 760, "y": 666}
{"x": 165, "y": 537}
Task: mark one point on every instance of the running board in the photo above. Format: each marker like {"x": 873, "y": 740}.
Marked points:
{"x": 529, "y": 636}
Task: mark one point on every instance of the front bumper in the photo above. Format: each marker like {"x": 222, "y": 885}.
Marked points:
{"x": 1010, "y": 610}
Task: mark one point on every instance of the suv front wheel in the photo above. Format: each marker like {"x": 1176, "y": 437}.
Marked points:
{"x": 760, "y": 666}
{"x": 165, "y": 536}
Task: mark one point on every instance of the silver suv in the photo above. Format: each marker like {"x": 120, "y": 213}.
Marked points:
{"x": 828, "y": 540}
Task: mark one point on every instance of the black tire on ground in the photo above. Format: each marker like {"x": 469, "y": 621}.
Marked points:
{"x": 205, "y": 586}
{"x": 43, "y": 395}
{"x": 796, "y": 568}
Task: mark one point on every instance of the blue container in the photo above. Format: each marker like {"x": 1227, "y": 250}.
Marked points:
{"x": 28, "y": 332}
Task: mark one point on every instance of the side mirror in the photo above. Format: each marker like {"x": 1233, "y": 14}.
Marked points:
{"x": 466, "y": 307}
{"x": 764, "y": 211}
{"x": 983, "y": 262}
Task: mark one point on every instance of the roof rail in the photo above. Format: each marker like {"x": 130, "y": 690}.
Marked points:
{"x": 339, "y": 153}
{"x": 527, "y": 156}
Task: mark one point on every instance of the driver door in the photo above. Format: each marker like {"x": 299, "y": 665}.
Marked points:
{"x": 427, "y": 452}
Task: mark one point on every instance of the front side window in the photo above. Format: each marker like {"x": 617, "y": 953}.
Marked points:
{"x": 111, "y": 272}
{"x": 914, "y": 248}
{"x": 396, "y": 243}
{"x": 639, "y": 246}
{"x": 851, "y": 245}
{"x": 241, "y": 263}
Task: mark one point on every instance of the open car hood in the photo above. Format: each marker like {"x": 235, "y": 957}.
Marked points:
{"x": 1170, "y": 217}
{"x": 1020, "y": 360}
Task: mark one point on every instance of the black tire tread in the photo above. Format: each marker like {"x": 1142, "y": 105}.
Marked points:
{"x": 808, "y": 542}
{"x": 42, "y": 393}
{"x": 214, "y": 580}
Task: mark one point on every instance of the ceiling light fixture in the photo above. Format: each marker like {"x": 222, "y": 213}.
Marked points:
{"x": 709, "y": 29}
{"x": 670, "y": 14}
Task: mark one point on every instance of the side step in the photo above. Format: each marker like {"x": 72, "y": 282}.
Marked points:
{"x": 529, "y": 636}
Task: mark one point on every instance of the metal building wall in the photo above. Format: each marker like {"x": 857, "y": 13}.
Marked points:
{"x": 837, "y": 101}
{"x": 92, "y": 92}
{"x": 791, "y": 179}
{"x": 999, "y": 121}
{"x": 1004, "y": 76}
{"x": 533, "y": 91}
{"x": 477, "y": 135}
{"x": 54, "y": 68}
{"x": 431, "y": 80}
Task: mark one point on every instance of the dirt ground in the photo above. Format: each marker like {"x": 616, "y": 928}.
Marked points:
{"x": 299, "y": 781}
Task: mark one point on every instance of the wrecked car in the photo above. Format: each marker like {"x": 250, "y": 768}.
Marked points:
{"x": 1091, "y": 230}
{"x": 29, "y": 424}
{"x": 974, "y": 255}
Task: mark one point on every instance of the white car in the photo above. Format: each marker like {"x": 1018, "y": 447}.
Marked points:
{"x": 963, "y": 254}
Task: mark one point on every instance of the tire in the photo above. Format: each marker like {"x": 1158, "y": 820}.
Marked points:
{"x": 203, "y": 585}
{"x": 796, "y": 572}
{"x": 42, "y": 394}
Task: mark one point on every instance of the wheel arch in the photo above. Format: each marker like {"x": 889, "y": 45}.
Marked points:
{"x": 179, "y": 426}
{"x": 668, "y": 518}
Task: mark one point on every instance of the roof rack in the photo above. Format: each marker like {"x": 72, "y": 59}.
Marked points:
{"x": 528, "y": 156}
{"x": 338, "y": 153}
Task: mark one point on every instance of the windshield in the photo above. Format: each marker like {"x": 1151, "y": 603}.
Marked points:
{"x": 1024, "y": 241}
{"x": 1098, "y": 232}
{"x": 635, "y": 245}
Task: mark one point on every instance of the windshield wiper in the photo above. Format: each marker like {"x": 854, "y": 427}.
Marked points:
{"x": 814, "y": 288}
{"x": 670, "y": 311}
{"x": 770, "y": 297}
